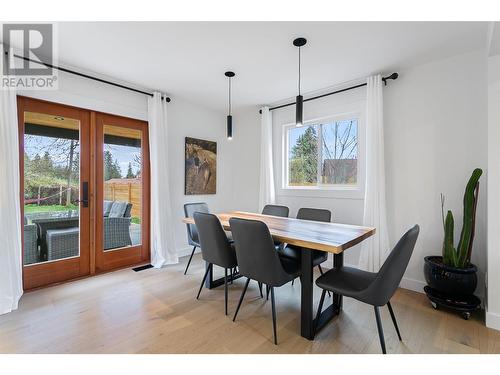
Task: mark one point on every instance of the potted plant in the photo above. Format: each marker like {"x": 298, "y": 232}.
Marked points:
{"x": 451, "y": 278}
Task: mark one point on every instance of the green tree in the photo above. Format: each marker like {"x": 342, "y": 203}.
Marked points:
{"x": 111, "y": 167}
{"x": 130, "y": 173}
{"x": 304, "y": 158}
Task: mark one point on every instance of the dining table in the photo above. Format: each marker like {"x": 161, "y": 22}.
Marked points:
{"x": 309, "y": 235}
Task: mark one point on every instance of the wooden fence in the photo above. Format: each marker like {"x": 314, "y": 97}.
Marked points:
{"x": 130, "y": 191}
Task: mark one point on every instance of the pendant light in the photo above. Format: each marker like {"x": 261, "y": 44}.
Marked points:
{"x": 229, "y": 116}
{"x": 299, "y": 100}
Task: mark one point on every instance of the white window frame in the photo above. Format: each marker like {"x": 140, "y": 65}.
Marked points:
{"x": 330, "y": 191}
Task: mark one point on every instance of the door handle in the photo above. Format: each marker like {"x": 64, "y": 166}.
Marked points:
{"x": 85, "y": 195}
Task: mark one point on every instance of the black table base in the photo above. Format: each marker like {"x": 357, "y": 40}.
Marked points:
{"x": 308, "y": 324}
{"x": 210, "y": 283}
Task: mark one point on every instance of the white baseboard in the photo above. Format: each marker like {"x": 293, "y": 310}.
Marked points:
{"x": 493, "y": 320}
{"x": 412, "y": 284}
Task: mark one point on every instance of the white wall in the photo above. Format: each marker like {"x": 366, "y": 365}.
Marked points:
{"x": 436, "y": 134}
{"x": 493, "y": 301}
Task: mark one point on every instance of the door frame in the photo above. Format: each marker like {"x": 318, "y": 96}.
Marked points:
{"x": 48, "y": 273}
{"x": 122, "y": 257}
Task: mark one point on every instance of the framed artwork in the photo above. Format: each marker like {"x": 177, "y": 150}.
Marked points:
{"x": 200, "y": 165}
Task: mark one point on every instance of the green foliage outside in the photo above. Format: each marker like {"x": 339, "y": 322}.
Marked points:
{"x": 304, "y": 159}
{"x": 31, "y": 208}
{"x": 111, "y": 167}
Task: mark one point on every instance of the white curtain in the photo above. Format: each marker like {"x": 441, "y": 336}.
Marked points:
{"x": 266, "y": 193}
{"x": 162, "y": 235}
{"x": 10, "y": 211}
{"x": 374, "y": 250}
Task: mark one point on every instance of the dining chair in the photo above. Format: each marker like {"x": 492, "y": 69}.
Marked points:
{"x": 294, "y": 252}
{"x": 215, "y": 248}
{"x": 275, "y": 210}
{"x": 258, "y": 260}
{"x": 375, "y": 289}
{"x": 192, "y": 232}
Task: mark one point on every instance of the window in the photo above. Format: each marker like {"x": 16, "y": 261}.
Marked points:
{"x": 322, "y": 154}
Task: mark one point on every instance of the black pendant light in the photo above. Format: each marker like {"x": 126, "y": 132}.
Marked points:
{"x": 229, "y": 116}
{"x": 299, "y": 100}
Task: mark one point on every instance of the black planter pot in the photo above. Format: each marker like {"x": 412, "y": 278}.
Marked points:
{"x": 449, "y": 280}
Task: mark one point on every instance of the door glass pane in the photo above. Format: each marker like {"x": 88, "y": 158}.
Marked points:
{"x": 51, "y": 188}
{"x": 122, "y": 204}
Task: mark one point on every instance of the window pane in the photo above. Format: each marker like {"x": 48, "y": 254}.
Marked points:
{"x": 51, "y": 188}
{"x": 303, "y": 156}
{"x": 323, "y": 154}
{"x": 122, "y": 187}
{"x": 339, "y": 152}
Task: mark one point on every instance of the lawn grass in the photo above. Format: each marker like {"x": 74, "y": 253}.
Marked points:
{"x": 32, "y": 208}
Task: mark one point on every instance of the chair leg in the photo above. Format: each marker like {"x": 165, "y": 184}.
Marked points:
{"x": 273, "y": 307}
{"x": 394, "y": 320}
{"x": 267, "y": 292}
{"x": 241, "y": 299}
{"x": 380, "y": 329}
{"x": 320, "y": 307}
{"x": 260, "y": 290}
{"x": 189, "y": 261}
{"x": 225, "y": 290}
{"x": 204, "y": 278}
{"x": 321, "y": 272}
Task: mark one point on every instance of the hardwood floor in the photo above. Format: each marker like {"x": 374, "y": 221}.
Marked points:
{"x": 155, "y": 311}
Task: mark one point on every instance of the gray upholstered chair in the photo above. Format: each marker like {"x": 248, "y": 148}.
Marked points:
{"x": 192, "y": 232}
{"x": 375, "y": 289}
{"x": 258, "y": 260}
{"x": 294, "y": 252}
{"x": 275, "y": 210}
{"x": 215, "y": 247}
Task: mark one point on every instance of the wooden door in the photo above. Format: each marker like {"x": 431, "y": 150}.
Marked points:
{"x": 122, "y": 192}
{"x": 54, "y": 150}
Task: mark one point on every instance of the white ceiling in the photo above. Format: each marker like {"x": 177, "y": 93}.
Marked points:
{"x": 188, "y": 59}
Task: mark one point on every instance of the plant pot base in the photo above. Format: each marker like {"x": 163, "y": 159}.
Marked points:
{"x": 463, "y": 304}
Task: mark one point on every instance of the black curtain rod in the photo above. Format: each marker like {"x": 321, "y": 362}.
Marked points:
{"x": 384, "y": 79}
{"x": 87, "y": 76}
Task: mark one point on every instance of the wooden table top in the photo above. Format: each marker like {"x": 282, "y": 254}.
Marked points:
{"x": 330, "y": 237}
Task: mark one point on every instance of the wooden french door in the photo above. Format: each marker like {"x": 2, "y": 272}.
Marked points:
{"x": 84, "y": 192}
{"x": 122, "y": 233}
{"x": 54, "y": 158}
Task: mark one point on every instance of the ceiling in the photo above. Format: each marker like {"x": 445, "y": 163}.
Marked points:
{"x": 188, "y": 59}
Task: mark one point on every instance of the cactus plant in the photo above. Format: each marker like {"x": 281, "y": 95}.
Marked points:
{"x": 460, "y": 256}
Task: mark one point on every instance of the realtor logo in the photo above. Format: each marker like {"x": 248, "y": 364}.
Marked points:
{"x": 28, "y": 56}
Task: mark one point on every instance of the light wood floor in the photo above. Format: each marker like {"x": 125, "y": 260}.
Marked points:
{"x": 155, "y": 311}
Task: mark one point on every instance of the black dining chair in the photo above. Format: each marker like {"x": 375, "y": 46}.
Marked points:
{"x": 258, "y": 260}
{"x": 215, "y": 248}
{"x": 275, "y": 210}
{"x": 375, "y": 289}
{"x": 192, "y": 232}
{"x": 294, "y": 252}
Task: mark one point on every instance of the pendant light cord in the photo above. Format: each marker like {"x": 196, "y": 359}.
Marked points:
{"x": 229, "y": 95}
{"x": 299, "y": 70}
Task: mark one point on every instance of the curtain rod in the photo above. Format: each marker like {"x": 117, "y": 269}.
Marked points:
{"x": 167, "y": 99}
{"x": 384, "y": 79}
